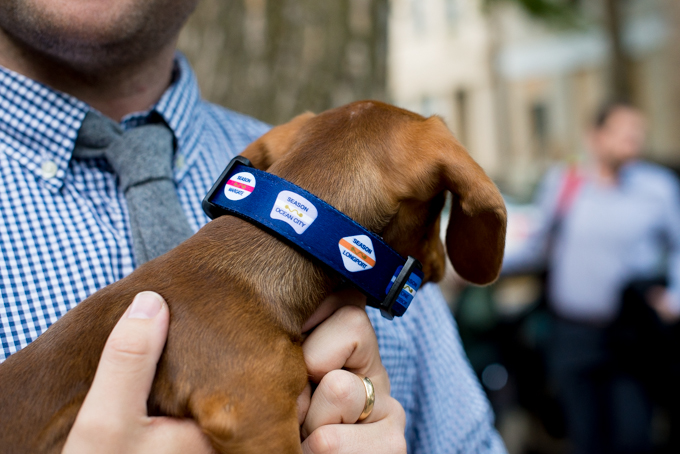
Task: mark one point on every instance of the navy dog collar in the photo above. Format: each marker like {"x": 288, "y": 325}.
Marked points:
{"x": 289, "y": 212}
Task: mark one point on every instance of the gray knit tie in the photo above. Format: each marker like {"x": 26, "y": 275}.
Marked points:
{"x": 142, "y": 159}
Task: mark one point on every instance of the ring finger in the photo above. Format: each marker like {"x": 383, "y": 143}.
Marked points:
{"x": 340, "y": 399}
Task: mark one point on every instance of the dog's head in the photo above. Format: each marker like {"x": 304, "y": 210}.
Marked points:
{"x": 389, "y": 169}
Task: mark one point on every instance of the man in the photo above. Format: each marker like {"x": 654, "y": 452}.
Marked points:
{"x": 603, "y": 226}
{"x": 66, "y": 233}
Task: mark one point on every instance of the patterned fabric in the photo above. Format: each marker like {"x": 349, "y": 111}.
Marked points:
{"x": 64, "y": 234}
{"x": 142, "y": 159}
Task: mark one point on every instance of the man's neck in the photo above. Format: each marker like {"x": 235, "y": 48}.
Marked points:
{"x": 116, "y": 92}
{"x": 609, "y": 172}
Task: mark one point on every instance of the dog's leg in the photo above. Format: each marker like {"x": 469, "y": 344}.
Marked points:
{"x": 230, "y": 433}
{"x": 53, "y": 438}
{"x": 241, "y": 387}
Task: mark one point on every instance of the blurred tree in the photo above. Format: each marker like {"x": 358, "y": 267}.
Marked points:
{"x": 619, "y": 68}
{"x": 566, "y": 13}
{"x": 274, "y": 59}
{"x": 672, "y": 10}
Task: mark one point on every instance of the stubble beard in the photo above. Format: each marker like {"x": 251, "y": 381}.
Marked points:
{"x": 87, "y": 50}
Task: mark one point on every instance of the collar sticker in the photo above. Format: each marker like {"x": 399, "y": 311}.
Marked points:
{"x": 294, "y": 210}
{"x": 240, "y": 186}
{"x": 357, "y": 253}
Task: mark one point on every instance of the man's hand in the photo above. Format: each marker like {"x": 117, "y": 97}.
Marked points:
{"x": 338, "y": 353}
{"x": 113, "y": 418}
{"x": 663, "y": 302}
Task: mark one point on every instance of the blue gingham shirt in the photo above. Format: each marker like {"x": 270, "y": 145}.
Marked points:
{"x": 64, "y": 234}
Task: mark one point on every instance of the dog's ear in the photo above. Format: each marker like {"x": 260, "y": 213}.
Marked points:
{"x": 475, "y": 238}
{"x": 271, "y": 146}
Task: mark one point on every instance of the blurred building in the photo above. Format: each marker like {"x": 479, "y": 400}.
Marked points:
{"x": 440, "y": 62}
{"x": 519, "y": 92}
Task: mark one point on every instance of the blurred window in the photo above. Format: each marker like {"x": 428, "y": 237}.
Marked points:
{"x": 452, "y": 13}
{"x": 539, "y": 124}
{"x": 461, "y": 101}
{"x": 427, "y": 106}
{"x": 419, "y": 19}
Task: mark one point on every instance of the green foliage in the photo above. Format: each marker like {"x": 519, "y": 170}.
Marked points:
{"x": 563, "y": 13}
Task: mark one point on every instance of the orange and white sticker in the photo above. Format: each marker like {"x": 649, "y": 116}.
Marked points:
{"x": 357, "y": 253}
{"x": 239, "y": 186}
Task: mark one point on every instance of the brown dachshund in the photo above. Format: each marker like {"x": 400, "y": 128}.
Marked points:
{"x": 238, "y": 297}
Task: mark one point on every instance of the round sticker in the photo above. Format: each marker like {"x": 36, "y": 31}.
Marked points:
{"x": 239, "y": 186}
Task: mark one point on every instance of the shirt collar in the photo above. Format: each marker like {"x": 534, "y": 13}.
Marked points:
{"x": 178, "y": 103}
{"x": 39, "y": 125}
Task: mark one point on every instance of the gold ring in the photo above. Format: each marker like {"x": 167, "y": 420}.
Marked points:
{"x": 370, "y": 398}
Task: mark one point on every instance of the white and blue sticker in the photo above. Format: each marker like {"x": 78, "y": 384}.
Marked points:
{"x": 357, "y": 253}
{"x": 294, "y": 210}
{"x": 240, "y": 186}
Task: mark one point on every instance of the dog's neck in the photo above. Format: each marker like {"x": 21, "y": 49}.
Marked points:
{"x": 289, "y": 285}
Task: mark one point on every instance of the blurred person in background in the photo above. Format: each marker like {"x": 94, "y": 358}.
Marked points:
{"x": 603, "y": 226}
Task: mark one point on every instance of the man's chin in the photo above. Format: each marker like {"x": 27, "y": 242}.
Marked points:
{"x": 618, "y": 163}
{"x": 91, "y": 34}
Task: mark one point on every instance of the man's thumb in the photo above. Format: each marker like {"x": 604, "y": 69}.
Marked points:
{"x": 128, "y": 364}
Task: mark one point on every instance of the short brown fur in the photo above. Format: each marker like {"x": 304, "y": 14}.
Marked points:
{"x": 233, "y": 359}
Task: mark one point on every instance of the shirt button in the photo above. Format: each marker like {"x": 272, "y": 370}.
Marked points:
{"x": 49, "y": 169}
{"x": 179, "y": 162}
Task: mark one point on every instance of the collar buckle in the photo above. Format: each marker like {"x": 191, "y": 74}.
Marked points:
{"x": 401, "y": 289}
